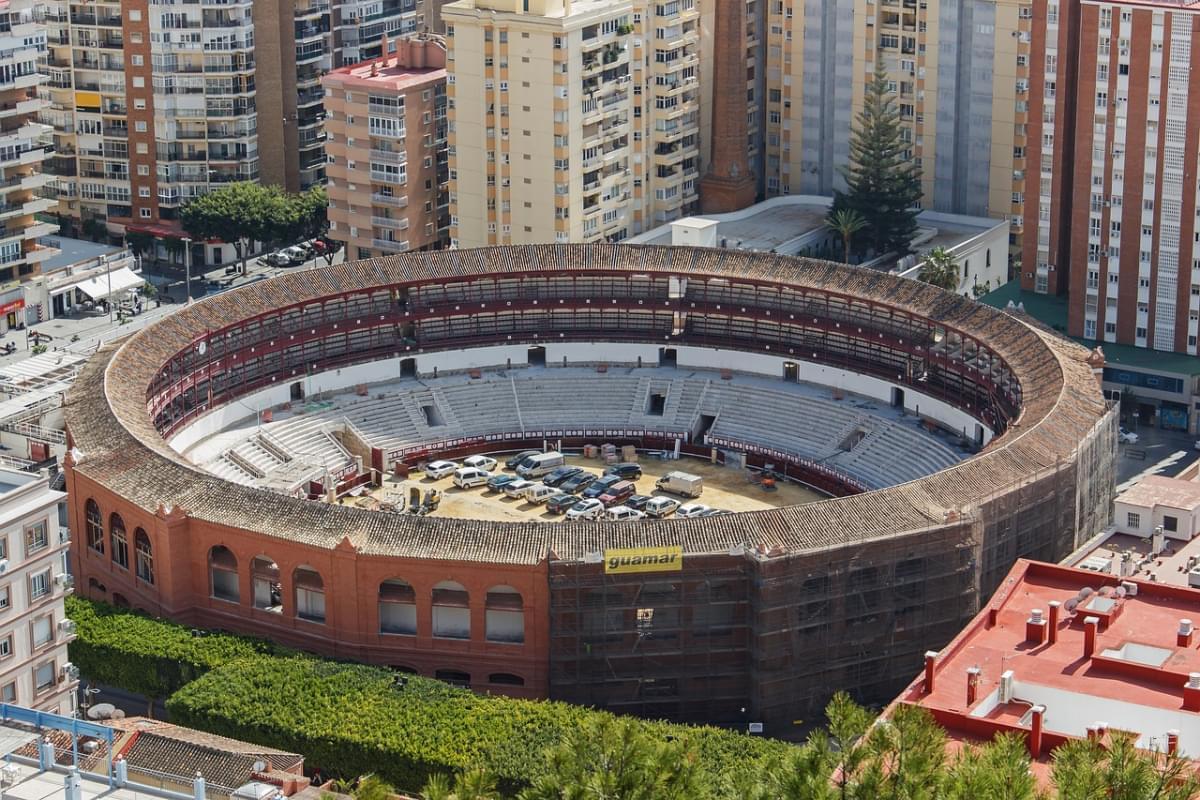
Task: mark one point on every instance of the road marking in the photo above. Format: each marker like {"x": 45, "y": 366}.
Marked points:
{"x": 1155, "y": 469}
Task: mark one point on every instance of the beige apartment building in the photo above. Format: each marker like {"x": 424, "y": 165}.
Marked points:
{"x": 571, "y": 120}
{"x": 386, "y": 143}
{"x": 960, "y": 73}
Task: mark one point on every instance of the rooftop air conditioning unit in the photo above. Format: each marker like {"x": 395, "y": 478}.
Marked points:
{"x": 67, "y": 627}
{"x": 65, "y": 580}
{"x": 3, "y": 565}
{"x": 69, "y": 672}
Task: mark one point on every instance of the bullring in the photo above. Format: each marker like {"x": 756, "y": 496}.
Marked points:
{"x": 770, "y": 608}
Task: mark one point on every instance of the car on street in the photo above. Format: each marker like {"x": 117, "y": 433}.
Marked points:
{"x": 560, "y": 474}
{"x": 480, "y": 462}
{"x": 689, "y": 510}
{"x": 1127, "y": 437}
{"x": 638, "y": 501}
{"x": 661, "y": 507}
{"x": 626, "y": 469}
{"x": 586, "y": 509}
{"x": 496, "y": 483}
{"x": 519, "y": 457}
{"x": 601, "y": 485}
{"x": 440, "y": 469}
{"x": 578, "y": 482}
{"x": 276, "y": 260}
{"x": 298, "y": 255}
{"x": 561, "y": 502}
{"x": 517, "y": 488}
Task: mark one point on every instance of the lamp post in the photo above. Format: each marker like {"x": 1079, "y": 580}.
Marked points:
{"x": 187, "y": 266}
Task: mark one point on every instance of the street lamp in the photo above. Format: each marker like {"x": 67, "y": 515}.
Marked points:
{"x": 187, "y": 266}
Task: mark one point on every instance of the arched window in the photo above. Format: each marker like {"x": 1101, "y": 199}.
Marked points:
{"x": 268, "y": 592}
{"x": 397, "y": 607}
{"x": 222, "y": 568}
{"x": 454, "y": 677}
{"x": 451, "y": 611}
{"x": 120, "y": 542}
{"x": 120, "y": 601}
{"x": 310, "y": 594}
{"x": 505, "y": 679}
{"x": 95, "y": 526}
{"x": 144, "y": 554}
{"x": 505, "y": 615}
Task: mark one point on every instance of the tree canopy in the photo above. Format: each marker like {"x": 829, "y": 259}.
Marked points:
{"x": 939, "y": 269}
{"x": 242, "y": 213}
{"x": 882, "y": 183}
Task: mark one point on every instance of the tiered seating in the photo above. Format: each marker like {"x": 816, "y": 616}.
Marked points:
{"x": 482, "y": 407}
{"x": 603, "y": 400}
{"x": 257, "y": 456}
{"x": 222, "y": 467}
{"x": 805, "y": 426}
{"x": 384, "y": 422}
{"x": 306, "y": 439}
{"x": 897, "y": 453}
{"x": 683, "y": 400}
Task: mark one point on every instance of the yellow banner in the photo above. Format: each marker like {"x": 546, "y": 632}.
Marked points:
{"x": 643, "y": 559}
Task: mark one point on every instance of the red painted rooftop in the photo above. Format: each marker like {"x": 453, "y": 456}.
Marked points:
{"x": 1134, "y": 680}
{"x": 415, "y": 63}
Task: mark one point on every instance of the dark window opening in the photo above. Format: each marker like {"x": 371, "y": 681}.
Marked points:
{"x": 667, "y": 357}
{"x": 408, "y": 368}
{"x": 505, "y": 679}
{"x": 454, "y": 678}
{"x": 537, "y": 357}
{"x": 297, "y": 391}
{"x": 657, "y": 404}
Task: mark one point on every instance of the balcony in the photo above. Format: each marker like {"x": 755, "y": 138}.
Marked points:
{"x": 400, "y": 224}
{"x": 395, "y": 201}
{"x": 389, "y": 246}
{"x": 389, "y": 156}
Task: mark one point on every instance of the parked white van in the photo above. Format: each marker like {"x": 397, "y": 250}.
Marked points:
{"x": 623, "y": 513}
{"x": 470, "y": 477}
{"x": 539, "y": 465}
{"x": 539, "y": 493}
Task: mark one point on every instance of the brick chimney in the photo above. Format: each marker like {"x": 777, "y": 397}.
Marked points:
{"x": 1035, "y": 627}
{"x": 1183, "y": 637}
{"x": 728, "y": 184}
{"x": 1052, "y": 626}
{"x": 1035, "y": 731}
{"x": 1172, "y": 742}
{"x": 1191, "y": 692}
{"x": 930, "y": 660}
{"x": 1090, "y": 626}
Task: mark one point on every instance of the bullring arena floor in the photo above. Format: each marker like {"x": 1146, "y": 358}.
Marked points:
{"x": 724, "y": 487}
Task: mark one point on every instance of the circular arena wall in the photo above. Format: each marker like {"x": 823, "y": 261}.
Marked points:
{"x": 760, "y": 615}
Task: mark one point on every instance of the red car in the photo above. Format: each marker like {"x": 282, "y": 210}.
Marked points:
{"x": 617, "y": 493}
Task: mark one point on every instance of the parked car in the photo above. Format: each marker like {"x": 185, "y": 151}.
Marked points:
{"x": 626, "y": 469}
{"x": 1127, "y": 437}
{"x": 618, "y": 493}
{"x": 578, "y": 482}
{"x": 517, "y": 487}
{"x": 623, "y": 514}
{"x": 681, "y": 483}
{"x": 691, "y": 510}
{"x": 661, "y": 507}
{"x": 601, "y": 485}
{"x": 716, "y": 512}
{"x": 480, "y": 462}
{"x": 298, "y": 255}
{"x": 586, "y": 509}
{"x": 519, "y": 457}
{"x": 560, "y": 503}
{"x": 470, "y": 477}
{"x": 496, "y": 483}
{"x": 539, "y": 493}
{"x": 440, "y": 469}
{"x": 536, "y": 466}
{"x": 638, "y": 501}
{"x": 276, "y": 260}
{"x": 560, "y": 474}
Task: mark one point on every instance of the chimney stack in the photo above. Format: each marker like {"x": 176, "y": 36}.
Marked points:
{"x": 930, "y": 658}
{"x": 1183, "y": 638}
{"x": 1090, "y": 626}
{"x": 972, "y": 685}
{"x": 1035, "y": 731}
{"x": 1172, "y": 742}
{"x": 1191, "y": 692}
{"x": 1035, "y": 627}
{"x": 1052, "y": 627}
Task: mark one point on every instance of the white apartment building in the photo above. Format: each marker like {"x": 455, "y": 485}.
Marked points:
{"x": 34, "y": 629}
{"x": 570, "y": 120}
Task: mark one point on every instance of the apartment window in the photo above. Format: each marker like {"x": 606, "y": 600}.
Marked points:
{"x": 39, "y": 585}
{"x": 1170, "y": 523}
{"x": 8, "y": 694}
{"x": 43, "y": 677}
{"x": 144, "y": 213}
{"x": 5, "y": 598}
{"x": 36, "y": 538}
{"x": 143, "y": 191}
{"x": 43, "y": 631}
{"x": 139, "y": 82}
{"x": 1134, "y": 520}
{"x": 138, "y": 61}
{"x": 6, "y": 646}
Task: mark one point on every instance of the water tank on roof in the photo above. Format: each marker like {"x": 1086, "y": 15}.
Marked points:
{"x": 257, "y": 790}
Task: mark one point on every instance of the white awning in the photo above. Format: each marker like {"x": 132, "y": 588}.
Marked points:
{"x": 110, "y": 284}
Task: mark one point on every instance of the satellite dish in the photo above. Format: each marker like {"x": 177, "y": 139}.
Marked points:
{"x": 259, "y": 766}
{"x": 1071, "y": 605}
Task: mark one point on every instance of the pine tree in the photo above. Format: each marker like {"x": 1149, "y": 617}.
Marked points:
{"x": 881, "y": 183}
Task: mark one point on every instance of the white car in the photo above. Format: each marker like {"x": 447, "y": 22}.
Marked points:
{"x": 517, "y": 488}
{"x": 470, "y": 477}
{"x": 624, "y": 514}
{"x": 586, "y": 509}
{"x": 661, "y": 506}
{"x": 689, "y": 510}
{"x": 440, "y": 469}
{"x": 480, "y": 462}
{"x": 1127, "y": 437}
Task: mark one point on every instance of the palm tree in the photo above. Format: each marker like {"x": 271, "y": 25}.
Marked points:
{"x": 847, "y": 222}
{"x": 939, "y": 269}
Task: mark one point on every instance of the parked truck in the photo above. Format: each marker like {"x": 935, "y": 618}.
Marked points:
{"x": 681, "y": 483}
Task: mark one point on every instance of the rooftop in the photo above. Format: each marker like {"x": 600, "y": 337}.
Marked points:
{"x": 75, "y": 251}
{"x": 416, "y": 62}
{"x": 1159, "y": 490}
{"x": 14, "y": 479}
{"x": 1051, "y": 310}
{"x": 1132, "y": 679}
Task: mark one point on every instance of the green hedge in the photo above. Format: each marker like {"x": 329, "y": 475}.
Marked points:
{"x": 350, "y": 719}
{"x": 149, "y": 656}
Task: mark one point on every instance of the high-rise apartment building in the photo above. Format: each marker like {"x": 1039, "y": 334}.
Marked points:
{"x": 959, "y": 73}
{"x": 24, "y": 145}
{"x": 1116, "y": 143}
{"x": 388, "y": 175}
{"x": 571, "y": 120}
